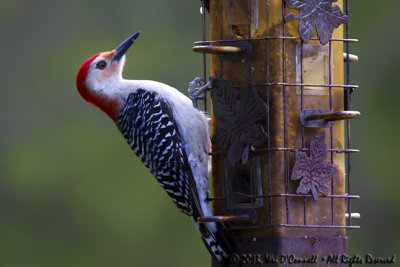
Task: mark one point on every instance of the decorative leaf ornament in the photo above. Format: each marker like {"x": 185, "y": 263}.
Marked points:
{"x": 239, "y": 112}
{"x": 313, "y": 171}
{"x": 319, "y": 14}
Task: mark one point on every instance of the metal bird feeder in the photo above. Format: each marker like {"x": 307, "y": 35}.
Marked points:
{"x": 280, "y": 126}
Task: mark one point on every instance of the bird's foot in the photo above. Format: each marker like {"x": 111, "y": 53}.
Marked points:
{"x": 199, "y": 93}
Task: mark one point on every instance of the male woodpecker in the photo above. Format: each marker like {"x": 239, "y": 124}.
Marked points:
{"x": 163, "y": 129}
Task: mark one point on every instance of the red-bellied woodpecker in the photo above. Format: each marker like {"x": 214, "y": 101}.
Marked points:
{"x": 163, "y": 129}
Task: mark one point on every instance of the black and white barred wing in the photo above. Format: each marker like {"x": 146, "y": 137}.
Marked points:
{"x": 147, "y": 124}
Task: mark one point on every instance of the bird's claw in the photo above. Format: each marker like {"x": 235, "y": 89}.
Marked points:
{"x": 195, "y": 94}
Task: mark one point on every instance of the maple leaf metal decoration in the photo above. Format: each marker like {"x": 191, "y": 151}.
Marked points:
{"x": 313, "y": 171}
{"x": 319, "y": 14}
{"x": 238, "y": 130}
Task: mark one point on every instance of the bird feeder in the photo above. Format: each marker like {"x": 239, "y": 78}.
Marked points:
{"x": 280, "y": 116}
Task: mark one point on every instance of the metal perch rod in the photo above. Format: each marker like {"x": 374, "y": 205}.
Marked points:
{"x": 333, "y": 116}
{"x": 224, "y": 218}
{"x": 217, "y": 49}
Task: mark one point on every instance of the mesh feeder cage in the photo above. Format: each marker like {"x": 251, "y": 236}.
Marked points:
{"x": 280, "y": 127}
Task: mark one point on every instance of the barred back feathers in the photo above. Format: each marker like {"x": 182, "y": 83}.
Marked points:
{"x": 145, "y": 122}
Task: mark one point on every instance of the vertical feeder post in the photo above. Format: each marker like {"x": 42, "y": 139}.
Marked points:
{"x": 279, "y": 165}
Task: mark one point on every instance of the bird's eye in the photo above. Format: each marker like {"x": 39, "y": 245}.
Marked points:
{"x": 101, "y": 65}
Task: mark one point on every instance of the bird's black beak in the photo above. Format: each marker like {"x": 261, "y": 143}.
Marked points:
{"x": 122, "y": 48}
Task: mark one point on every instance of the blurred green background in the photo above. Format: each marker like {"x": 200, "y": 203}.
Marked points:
{"x": 71, "y": 191}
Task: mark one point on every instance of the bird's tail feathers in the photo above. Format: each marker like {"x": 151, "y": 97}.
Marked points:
{"x": 215, "y": 241}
